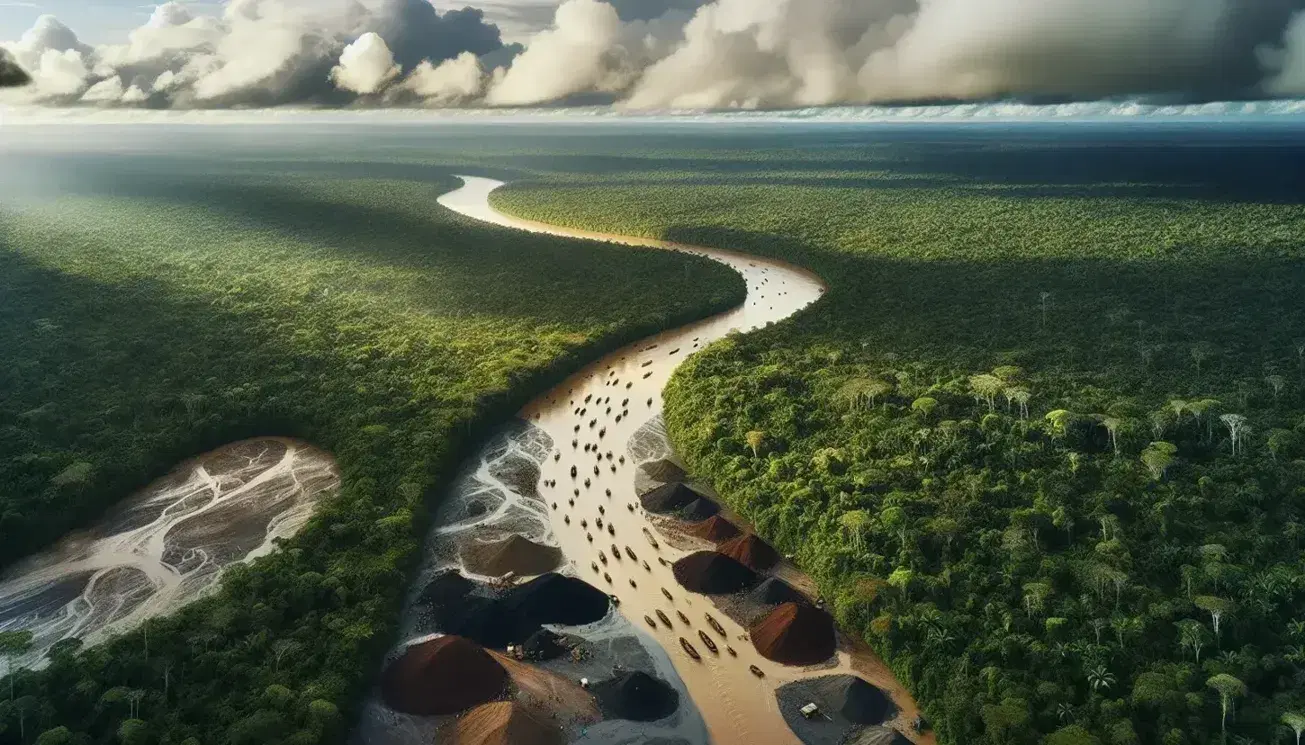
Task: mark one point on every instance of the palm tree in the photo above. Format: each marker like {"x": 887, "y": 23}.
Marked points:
{"x": 1100, "y": 678}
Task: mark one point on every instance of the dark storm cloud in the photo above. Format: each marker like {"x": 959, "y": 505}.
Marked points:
{"x": 11, "y": 75}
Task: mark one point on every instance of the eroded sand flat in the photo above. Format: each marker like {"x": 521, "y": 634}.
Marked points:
{"x": 166, "y": 545}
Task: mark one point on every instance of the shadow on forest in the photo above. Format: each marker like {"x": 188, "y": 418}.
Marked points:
{"x": 94, "y": 342}
{"x": 457, "y": 258}
{"x": 1138, "y": 319}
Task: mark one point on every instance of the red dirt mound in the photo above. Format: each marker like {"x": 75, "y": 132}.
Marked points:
{"x": 795, "y": 634}
{"x": 715, "y": 529}
{"x": 751, "y": 552}
{"x": 503, "y": 723}
{"x": 442, "y": 676}
{"x": 712, "y": 573}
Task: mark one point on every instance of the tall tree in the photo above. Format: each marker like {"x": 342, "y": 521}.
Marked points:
{"x": 13, "y": 644}
{"x": 1229, "y": 689}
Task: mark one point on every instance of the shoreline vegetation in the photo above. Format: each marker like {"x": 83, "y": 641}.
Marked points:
{"x": 1041, "y": 442}
{"x": 185, "y": 311}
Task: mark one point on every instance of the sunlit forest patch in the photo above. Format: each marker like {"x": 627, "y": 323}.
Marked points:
{"x": 1041, "y": 441}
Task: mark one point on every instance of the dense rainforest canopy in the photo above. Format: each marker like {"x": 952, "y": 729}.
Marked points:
{"x": 1043, "y": 442}
{"x": 153, "y": 307}
{"x": 1003, "y": 442}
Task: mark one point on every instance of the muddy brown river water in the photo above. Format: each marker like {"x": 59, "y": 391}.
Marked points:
{"x": 518, "y": 478}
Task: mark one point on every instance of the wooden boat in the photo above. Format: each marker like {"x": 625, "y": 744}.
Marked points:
{"x": 651, "y": 622}
{"x": 668, "y": 595}
{"x": 616, "y": 552}
{"x": 632, "y": 584}
{"x": 730, "y": 649}
{"x": 607, "y": 577}
{"x": 593, "y": 565}
{"x": 646, "y": 568}
{"x": 683, "y": 618}
{"x": 706, "y": 640}
{"x": 756, "y": 671}
{"x": 611, "y": 529}
{"x": 630, "y": 552}
{"x": 615, "y": 600}
{"x": 715, "y": 625}
{"x": 648, "y": 534}
{"x": 602, "y": 557}
{"x": 665, "y": 620}
{"x": 689, "y": 650}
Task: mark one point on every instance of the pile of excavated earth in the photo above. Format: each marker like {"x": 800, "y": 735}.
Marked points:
{"x": 752, "y": 552}
{"x": 513, "y": 554}
{"x": 502, "y": 723}
{"x": 519, "y": 613}
{"x": 715, "y": 529}
{"x": 446, "y": 675}
{"x": 795, "y": 634}
{"x": 636, "y": 696}
{"x": 669, "y": 499}
{"x": 851, "y": 711}
{"x": 712, "y": 573}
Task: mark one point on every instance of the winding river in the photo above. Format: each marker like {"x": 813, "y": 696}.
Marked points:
{"x": 522, "y": 483}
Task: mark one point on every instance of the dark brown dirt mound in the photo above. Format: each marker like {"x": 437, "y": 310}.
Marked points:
{"x": 668, "y": 498}
{"x": 636, "y": 696}
{"x": 774, "y": 591}
{"x": 699, "y": 509}
{"x": 502, "y": 723}
{"x": 795, "y": 634}
{"x": 751, "y": 552}
{"x": 715, "y": 529}
{"x": 663, "y": 470}
{"x": 512, "y": 554}
{"x": 712, "y": 573}
{"x": 442, "y": 676}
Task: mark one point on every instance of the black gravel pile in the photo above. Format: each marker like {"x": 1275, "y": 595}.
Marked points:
{"x": 699, "y": 509}
{"x": 636, "y": 696}
{"x": 774, "y": 591}
{"x": 669, "y": 498}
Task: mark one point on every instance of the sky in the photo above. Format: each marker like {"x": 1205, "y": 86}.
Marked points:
{"x": 645, "y": 55}
{"x": 107, "y": 21}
